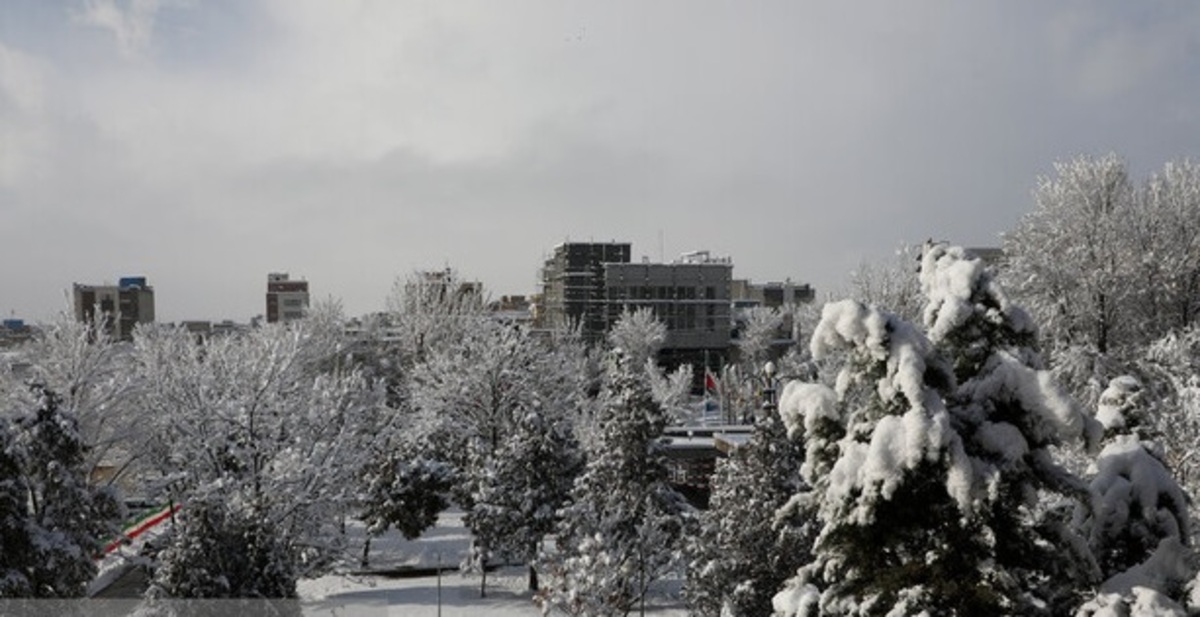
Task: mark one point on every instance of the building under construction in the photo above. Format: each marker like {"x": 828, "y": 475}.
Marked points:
{"x": 590, "y": 285}
{"x": 573, "y": 291}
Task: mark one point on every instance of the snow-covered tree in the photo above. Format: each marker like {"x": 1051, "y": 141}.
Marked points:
{"x": 258, "y": 430}
{"x": 931, "y": 459}
{"x": 1137, "y": 523}
{"x": 891, "y": 284}
{"x": 1168, "y": 243}
{"x": 221, "y": 552}
{"x": 740, "y": 385}
{"x": 405, "y": 490}
{"x": 757, "y": 337}
{"x": 427, "y": 310}
{"x": 16, "y": 545}
{"x": 622, "y": 528}
{"x": 1068, "y": 260}
{"x": 1012, "y": 417}
{"x": 53, "y": 522}
{"x": 1138, "y": 504}
{"x": 471, "y": 398}
{"x": 639, "y": 336}
{"x": 749, "y": 544}
{"x": 886, "y": 472}
{"x": 1122, "y": 411}
{"x": 517, "y": 499}
{"x": 83, "y": 365}
{"x": 1170, "y": 372}
{"x": 477, "y": 387}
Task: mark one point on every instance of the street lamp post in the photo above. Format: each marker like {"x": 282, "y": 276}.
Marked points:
{"x": 768, "y": 404}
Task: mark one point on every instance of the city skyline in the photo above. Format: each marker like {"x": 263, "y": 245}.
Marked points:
{"x": 204, "y": 144}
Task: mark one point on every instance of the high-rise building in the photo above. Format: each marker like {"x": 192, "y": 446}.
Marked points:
{"x": 121, "y": 306}
{"x": 286, "y": 299}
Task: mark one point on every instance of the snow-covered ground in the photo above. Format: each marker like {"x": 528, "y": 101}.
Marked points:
{"x": 345, "y": 593}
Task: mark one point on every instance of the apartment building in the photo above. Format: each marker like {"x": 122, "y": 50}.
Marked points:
{"x": 121, "y": 306}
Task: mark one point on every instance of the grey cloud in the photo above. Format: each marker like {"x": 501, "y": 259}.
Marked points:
{"x": 351, "y": 142}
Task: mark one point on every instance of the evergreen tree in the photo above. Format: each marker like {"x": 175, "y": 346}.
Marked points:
{"x": 1170, "y": 374}
{"x": 16, "y": 548}
{"x": 404, "y": 489}
{"x": 517, "y": 501}
{"x": 1010, "y": 415}
{"x": 931, "y": 460}
{"x": 1137, "y": 523}
{"x": 65, "y": 519}
{"x": 882, "y": 460}
{"x": 749, "y": 542}
{"x": 220, "y": 552}
{"x": 623, "y": 527}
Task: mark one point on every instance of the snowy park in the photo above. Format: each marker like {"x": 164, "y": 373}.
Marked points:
{"x": 460, "y": 464}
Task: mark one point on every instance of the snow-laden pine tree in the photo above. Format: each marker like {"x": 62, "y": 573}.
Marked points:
{"x": 405, "y": 489}
{"x": 1169, "y": 370}
{"x": 221, "y": 552}
{"x": 622, "y": 529}
{"x": 640, "y": 336}
{"x": 261, "y": 434}
{"x": 1012, "y": 416}
{"x": 749, "y": 543}
{"x": 888, "y": 478}
{"x": 16, "y": 546}
{"x": 48, "y": 498}
{"x": 517, "y": 499}
{"x": 1137, "y": 523}
{"x": 931, "y": 460}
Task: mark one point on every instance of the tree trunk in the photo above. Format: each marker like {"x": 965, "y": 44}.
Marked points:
{"x": 533, "y": 579}
{"x": 366, "y": 553}
{"x": 483, "y": 578}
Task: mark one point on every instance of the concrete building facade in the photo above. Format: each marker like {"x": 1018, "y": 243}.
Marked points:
{"x": 775, "y": 294}
{"x": 121, "y": 306}
{"x": 286, "y": 299}
{"x": 690, "y": 296}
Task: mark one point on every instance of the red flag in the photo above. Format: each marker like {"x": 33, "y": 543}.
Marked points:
{"x": 710, "y": 382}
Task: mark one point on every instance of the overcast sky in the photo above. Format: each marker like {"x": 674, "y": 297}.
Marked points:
{"x": 204, "y": 144}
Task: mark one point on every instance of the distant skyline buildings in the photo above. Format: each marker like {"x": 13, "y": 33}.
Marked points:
{"x": 122, "y": 306}
{"x": 287, "y": 298}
